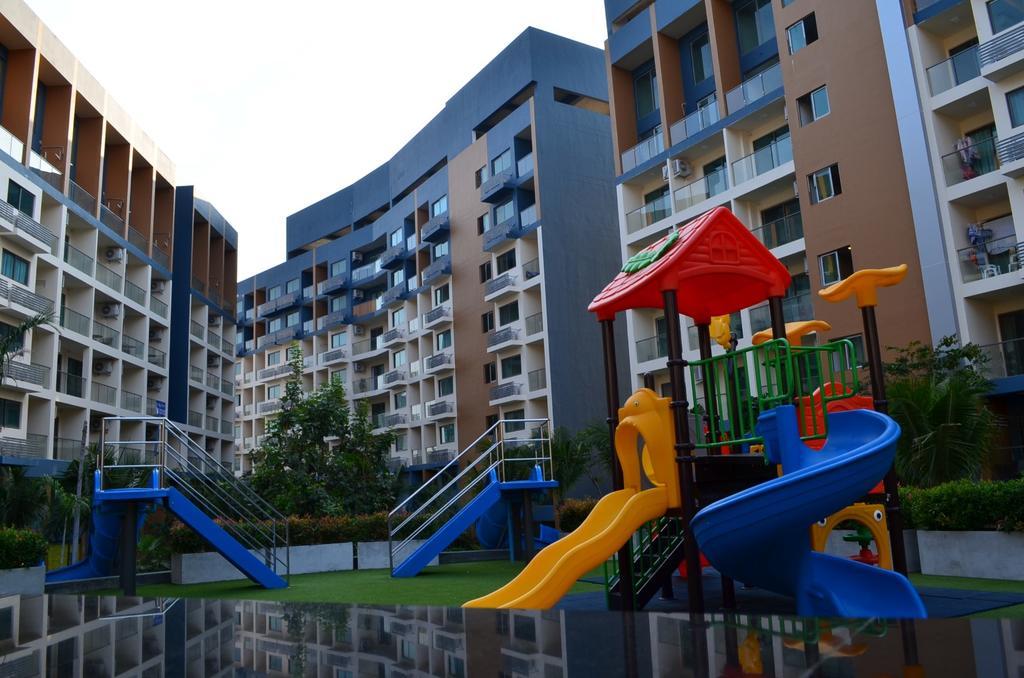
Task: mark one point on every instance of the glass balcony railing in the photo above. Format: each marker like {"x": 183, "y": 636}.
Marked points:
{"x": 794, "y": 308}
{"x": 82, "y": 197}
{"x": 696, "y": 121}
{"x": 45, "y": 169}
{"x": 764, "y": 159}
{"x": 642, "y": 152}
{"x": 367, "y": 271}
{"x": 781, "y": 231}
{"x": 699, "y": 190}
{"x": 159, "y": 307}
{"x": 954, "y": 71}
{"x": 534, "y": 324}
{"x": 524, "y": 165}
{"x": 651, "y": 348}
{"x": 70, "y": 384}
{"x": 135, "y": 293}
{"x": 75, "y": 321}
{"x": 79, "y": 259}
{"x": 991, "y": 259}
{"x": 102, "y": 393}
{"x": 1005, "y": 359}
{"x": 754, "y": 88}
{"x": 108, "y": 277}
{"x": 528, "y": 216}
{"x": 970, "y": 161}
{"x": 538, "y": 379}
{"x": 650, "y": 213}
{"x": 11, "y": 145}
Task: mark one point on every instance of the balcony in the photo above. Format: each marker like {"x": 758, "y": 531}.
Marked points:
{"x": 366, "y": 308}
{"x": 279, "y": 337}
{"x": 131, "y": 401}
{"x": 281, "y": 302}
{"x": 157, "y": 357}
{"x": 366, "y": 346}
{"x": 332, "y": 356}
{"x": 395, "y": 419}
{"x": 78, "y": 259}
{"x": 395, "y": 377}
{"x": 436, "y": 229}
{"x": 437, "y": 268}
{"x": 498, "y": 186}
{"x": 524, "y": 166}
{"x": 195, "y": 419}
{"x": 70, "y": 384}
{"x": 991, "y": 259}
{"x": 108, "y": 277}
{"x": 437, "y": 315}
{"x": 136, "y": 238}
{"x": 509, "y": 389}
{"x": 955, "y": 70}
{"x": 970, "y": 162}
{"x": 75, "y": 321}
{"x": 652, "y": 348}
{"x": 133, "y": 347}
{"x": 367, "y": 275}
{"x": 395, "y": 293}
{"x": 1005, "y": 359}
{"x": 269, "y": 406}
{"x": 695, "y": 122}
{"x": 393, "y": 256}
{"x": 11, "y": 145}
{"x": 763, "y": 160}
{"x": 272, "y": 372}
{"x": 24, "y": 225}
{"x": 101, "y": 393}
{"x": 502, "y": 337}
{"x": 161, "y": 255}
{"x": 111, "y": 219}
{"x": 441, "y": 409}
{"x": 18, "y": 373}
{"x": 507, "y": 230}
{"x": 794, "y": 309}
{"x": 699, "y": 190}
{"x": 33, "y": 445}
{"x": 19, "y": 296}
{"x": 196, "y": 329}
{"x": 438, "y": 362}
{"x": 1003, "y": 55}
{"x": 391, "y": 336}
{"x": 159, "y": 307}
{"x": 135, "y": 293}
{"x": 331, "y": 319}
{"x": 651, "y": 213}
{"x": 332, "y": 283}
{"x": 368, "y": 386}
{"x": 537, "y": 380}
{"x": 1010, "y": 153}
{"x": 213, "y": 339}
{"x": 82, "y": 197}
{"x": 754, "y": 89}
{"x": 642, "y": 152}
{"x": 534, "y": 324}
{"x": 781, "y": 231}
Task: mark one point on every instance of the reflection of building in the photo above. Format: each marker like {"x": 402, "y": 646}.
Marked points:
{"x": 484, "y": 238}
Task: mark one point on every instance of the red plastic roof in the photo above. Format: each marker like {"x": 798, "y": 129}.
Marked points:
{"x": 716, "y": 266}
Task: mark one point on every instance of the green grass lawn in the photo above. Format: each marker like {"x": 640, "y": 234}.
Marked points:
{"x": 444, "y": 585}
{"x": 973, "y": 584}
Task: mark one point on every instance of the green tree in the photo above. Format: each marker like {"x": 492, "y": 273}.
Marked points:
{"x": 12, "y": 339}
{"x": 938, "y": 397}
{"x": 23, "y": 500}
{"x": 320, "y": 456}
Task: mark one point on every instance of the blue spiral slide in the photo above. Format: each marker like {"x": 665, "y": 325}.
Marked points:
{"x": 761, "y": 536}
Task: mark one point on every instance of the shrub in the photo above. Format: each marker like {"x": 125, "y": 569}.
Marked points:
{"x": 966, "y": 505}
{"x": 21, "y": 548}
{"x": 573, "y": 512}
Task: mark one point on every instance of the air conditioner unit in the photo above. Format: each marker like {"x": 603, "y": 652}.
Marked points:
{"x": 358, "y": 368}
{"x": 114, "y": 254}
{"x": 154, "y": 382}
{"x": 156, "y": 334}
{"x": 681, "y": 168}
{"x": 664, "y": 172}
{"x": 357, "y": 257}
{"x": 212, "y": 360}
{"x": 357, "y": 295}
{"x": 111, "y": 310}
{"x": 103, "y": 367}
{"x": 358, "y": 330}
{"x": 159, "y": 286}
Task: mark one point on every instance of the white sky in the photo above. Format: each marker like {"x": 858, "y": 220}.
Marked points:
{"x": 268, "y": 107}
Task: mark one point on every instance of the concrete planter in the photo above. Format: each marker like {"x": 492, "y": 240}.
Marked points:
{"x": 988, "y": 555}
{"x": 199, "y": 568}
{"x": 373, "y": 555}
{"x": 26, "y": 581}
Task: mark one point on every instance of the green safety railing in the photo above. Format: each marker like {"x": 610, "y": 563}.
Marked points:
{"x": 814, "y": 367}
{"x": 652, "y": 544}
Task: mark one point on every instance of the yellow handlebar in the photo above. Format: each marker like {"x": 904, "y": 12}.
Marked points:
{"x": 864, "y": 284}
{"x": 794, "y": 331}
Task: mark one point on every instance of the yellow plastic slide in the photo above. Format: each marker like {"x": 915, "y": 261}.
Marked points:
{"x": 553, "y": 571}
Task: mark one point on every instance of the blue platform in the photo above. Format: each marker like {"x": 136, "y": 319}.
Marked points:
{"x": 761, "y": 536}
{"x": 485, "y": 510}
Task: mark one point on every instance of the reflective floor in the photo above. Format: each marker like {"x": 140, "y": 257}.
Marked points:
{"x": 106, "y": 636}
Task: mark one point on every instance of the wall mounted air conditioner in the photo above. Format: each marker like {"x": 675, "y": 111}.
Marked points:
{"x": 103, "y": 367}
{"x": 159, "y": 286}
{"x": 156, "y": 334}
{"x": 681, "y": 168}
{"x": 358, "y": 368}
{"x": 664, "y": 172}
{"x": 111, "y": 310}
{"x": 114, "y": 254}
{"x": 358, "y": 330}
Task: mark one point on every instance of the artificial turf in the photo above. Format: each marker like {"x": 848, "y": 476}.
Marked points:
{"x": 444, "y": 585}
{"x": 975, "y": 584}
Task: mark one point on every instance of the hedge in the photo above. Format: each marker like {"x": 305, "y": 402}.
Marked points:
{"x": 21, "y": 548}
{"x": 573, "y": 512}
{"x": 965, "y": 505}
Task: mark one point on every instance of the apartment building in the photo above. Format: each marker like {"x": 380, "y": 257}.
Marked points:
{"x": 786, "y": 112}
{"x": 94, "y": 231}
{"x": 448, "y": 287}
{"x": 968, "y": 60}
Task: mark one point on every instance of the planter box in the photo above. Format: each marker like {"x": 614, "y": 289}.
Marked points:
{"x": 988, "y": 555}
{"x": 26, "y": 581}
{"x": 199, "y": 568}
{"x": 373, "y": 555}
{"x": 844, "y": 549}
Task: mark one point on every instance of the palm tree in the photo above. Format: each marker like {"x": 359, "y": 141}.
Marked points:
{"x": 12, "y": 340}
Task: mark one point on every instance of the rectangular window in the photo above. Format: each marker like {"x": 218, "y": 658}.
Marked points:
{"x": 802, "y": 33}
{"x": 835, "y": 265}
{"x": 441, "y": 295}
{"x": 487, "y": 321}
{"x": 754, "y": 24}
{"x": 20, "y": 197}
{"x": 1015, "y": 102}
{"x": 509, "y": 313}
{"x": 14, "y": 267}
{"x": 1003, "y": 14}
{"x": 485, "y": 272}
{"x": 292, "y": 319}
{"x": 275, "y": 325}
{"x": 700, "y": 53}
{"x": 490, "y": 420}
{"x": 274, "y": 292}
{"x": 515, "y": 414}
{"x": 338, "y": 340}
{"x": 338, "y": 375}
{"x": 274, "y": 392}
{"x": 490, "y": 372}
{"x": 444, "y": 340}
{"x": 446, "y": 433}
{"x": 10, "y": 413}
{"x": 401, "y": 399}
{"x": 397, "y": 237}
{"x": 440, "y": 250}
{"x": 439, "y": 206}
{"x": 275, "y": 662}
{"x": 337, "y": 268}
{"x": 337, "y": 304}
{"x": 274, "y": 358}
{"x": 506, "y": 261}
{"x": 482, "y": 175}
{"x": 502, "y": 162}
{"x": 511, "y": 366}
{"x": 445, "y": 387}
{"x": 645, "y": 91}
{"x": 825, "y": 184}
{"x": 398, "y": 358}
{"x": 293, "y": 285}
{"x": 813, "y": 106}
{"x": 483, "y": 223}
{"x": 398, "y": 318}
{"x": 504, "y": 212}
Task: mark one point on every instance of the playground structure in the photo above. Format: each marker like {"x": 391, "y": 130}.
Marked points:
{"x": 752, "y": 519}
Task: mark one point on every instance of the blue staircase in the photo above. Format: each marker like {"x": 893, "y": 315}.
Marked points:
{"x": 469, "y": 488}
{"x": 164, "y": 467}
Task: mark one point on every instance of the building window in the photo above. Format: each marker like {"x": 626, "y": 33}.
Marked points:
{"x": 483, "y": 223}
{"x": 802, "y": 33}
{"x": 445, "y": 387}
{"x": 700, "y": 53}
{"x": 446, "y": 434}
{"x": 504, "y": 212}
{"x": 274, "y": 392}
{"x": 398, "y": 358}
{"x": 787, "y": 3}
{"x": 273, "y": 293}
{"x": 20, "y": 197}
{"x": 274, "y": 358}
{"x": 275, "y": 324}
{"x": 506, "y": 261}
{"x": 14, "y": 267}
{"x": 398, "y": 318}
{"x": 482, "y": 175}
{"x": 275, "y": 662}
{"x": 401, "y": 399}
{"x": 487, "y": 321}
{"x": 1015, "y": 102}
{"x": 645, "y": 91}
{"x": 489, "y": 421}
{"x": 825, "y": 184}
{"x": 490, "y": 372}
{"x": 513, "y": 415}
{"x": 441, "y": 295}
{"x": 292, "y": 285}
{"x": 397, "y": 236}
{"x": 860, "y": 356}
{"x": 338, "y": 375}
{"x": 754, "y": 24}
{"x": 502, "y": 162}
{"x": 337, "y": 304}
{"x": 813, "y": 106}
{"x": 292, "y": 319}
{"x": 444, "y": 340}
{"x": 511, "y": 366}
{"x": 337, "y": 268}
{"x": 439, "y": 206}
{"x": 835, "y": 265}
{"x": 10, "y": 413}
{"x": 509, "y": 313}
{"x": 440, "y": 250}
{"x": 1003, "y": 14}
{"x": 485, "y": 272}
